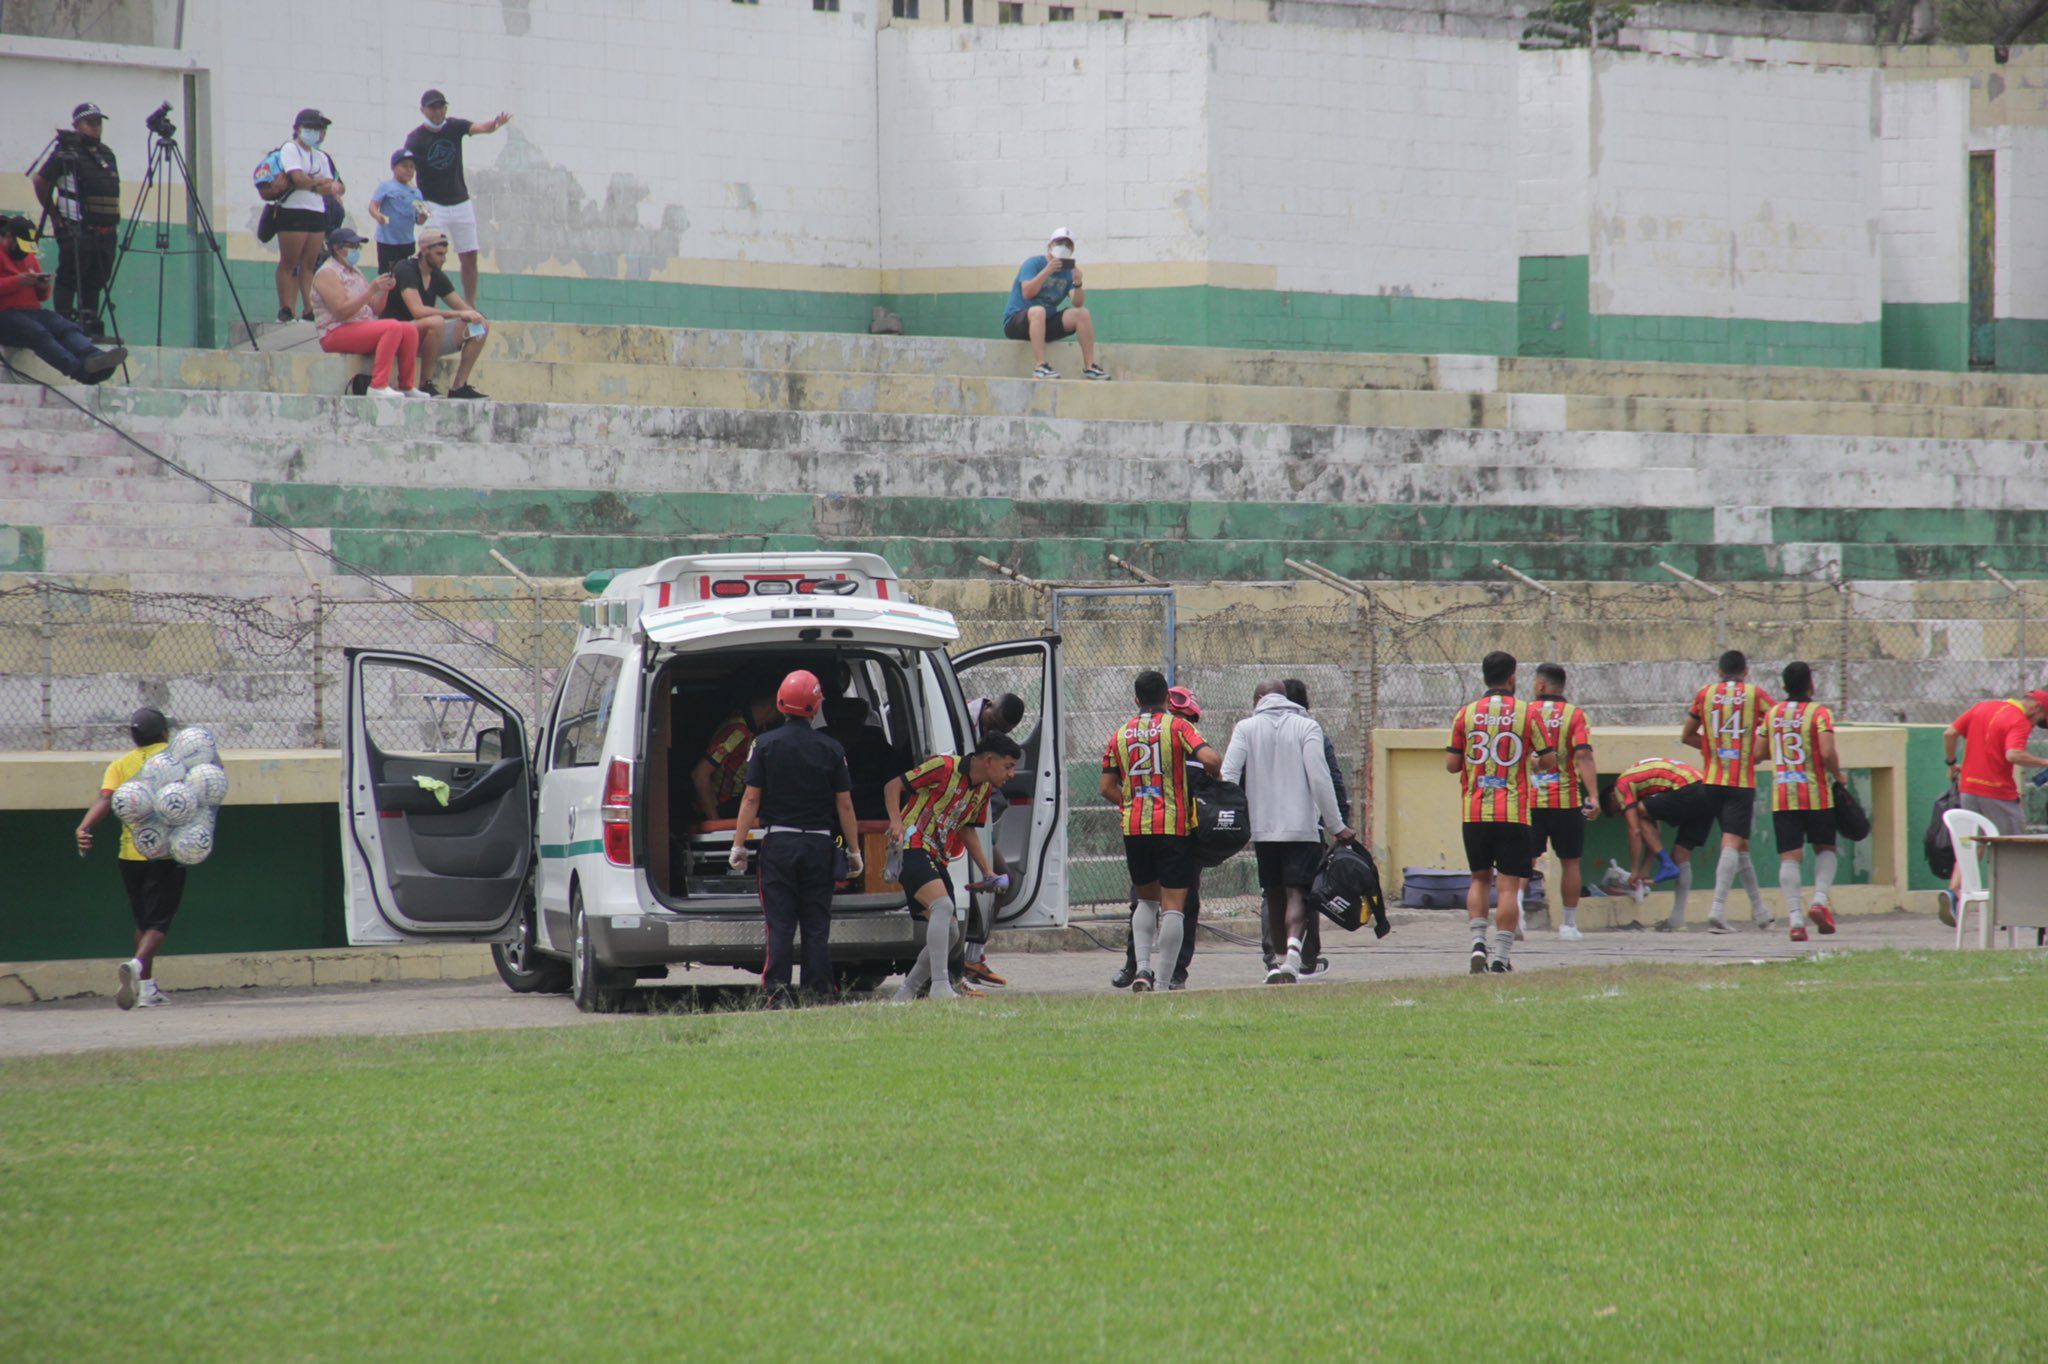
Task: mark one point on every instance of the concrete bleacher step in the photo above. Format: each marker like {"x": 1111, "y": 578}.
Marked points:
{"x": 228, "y": 553}
{"x": 67, "y": 509}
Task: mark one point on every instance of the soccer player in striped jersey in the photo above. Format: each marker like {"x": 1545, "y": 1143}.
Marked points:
{"x": 1723, "y": 724}
{"x": 1653, "y": 790}
{"x": 1495, "y": 747}
{"x": 948, "y": 795}
{"x": 1562, "y": 801}
{"x": 1799, "y": 735}
{"x": 1145, "y": 775}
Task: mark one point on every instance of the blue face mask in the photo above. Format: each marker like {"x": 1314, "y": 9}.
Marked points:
{"x": 310, "y": 136}
{"x": 352, "y": 254}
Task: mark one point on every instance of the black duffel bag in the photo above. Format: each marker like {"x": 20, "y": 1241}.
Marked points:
{"x": 1223, "y": 822}
{"x": 1936, "y": 844}
{"x": 1347, "y": 889}
{"x": 1852, "y": 821}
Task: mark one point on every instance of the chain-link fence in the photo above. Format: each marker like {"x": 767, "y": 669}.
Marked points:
{"x": 261, "y": 672}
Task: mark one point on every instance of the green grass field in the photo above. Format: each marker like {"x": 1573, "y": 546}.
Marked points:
{"x": 1839, "y": 1158}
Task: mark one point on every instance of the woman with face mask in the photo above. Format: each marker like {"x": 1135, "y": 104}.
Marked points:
{"x": 302, "y": 213}
{"x": 345, "y": 306}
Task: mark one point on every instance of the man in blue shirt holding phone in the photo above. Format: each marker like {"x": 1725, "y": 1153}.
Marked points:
{"x": 420, "y": 285}
{"x": 1035, "y": 313}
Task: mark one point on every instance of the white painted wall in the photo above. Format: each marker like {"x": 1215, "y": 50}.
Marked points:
{"x": 1925, "y": 190}
{"x": 42, "y": 81}
{"x": 1365, "y": 162}
{"x": 993, "y": 137}
{"x": 2020, "y": 286}
{"x": 1734, "y": 191}
{"x": 1553, "y": 154}
{"x": 643, "y": 130}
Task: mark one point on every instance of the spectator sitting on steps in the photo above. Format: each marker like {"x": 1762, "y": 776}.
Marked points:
{"x": 345, "y": 309}
{"x": 418, "y": 286}
{"x": 58, "y": 341}
{"x": 1034, "y": 313}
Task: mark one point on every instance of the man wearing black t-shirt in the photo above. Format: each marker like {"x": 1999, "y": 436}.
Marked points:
{"x": 419, "y": 285}
{"x": 436, "y": 148}
{"x": 79, "y": 186}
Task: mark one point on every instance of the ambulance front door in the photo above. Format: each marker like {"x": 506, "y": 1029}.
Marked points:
{"x": 1031, "y": 832}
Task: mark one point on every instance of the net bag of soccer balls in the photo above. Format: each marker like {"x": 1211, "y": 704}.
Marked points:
{"x": 169, "y": 807}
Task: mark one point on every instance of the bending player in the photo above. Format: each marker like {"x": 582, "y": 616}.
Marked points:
{"x": 1145, "y": 773}
{"x": 948, "y": 797}
{"x": 1653, "y": 790}
{"x": 1799, "y": 734}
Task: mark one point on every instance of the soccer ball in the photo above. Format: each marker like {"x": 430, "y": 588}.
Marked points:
{"x": 152, "y": 840}
{"x": 176, "y": 804}
{"x": 191, "y": 844}
{"x": 160, "y": 771}
{"x": 209, "y": 782}
{"x": 192, "y": 746}
{"x": 133, "y": 802}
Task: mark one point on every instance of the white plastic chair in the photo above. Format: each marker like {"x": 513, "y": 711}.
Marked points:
{"x": 1965, "y": 828}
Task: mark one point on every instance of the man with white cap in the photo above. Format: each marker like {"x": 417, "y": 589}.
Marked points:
{"x": 1035, "y": 313}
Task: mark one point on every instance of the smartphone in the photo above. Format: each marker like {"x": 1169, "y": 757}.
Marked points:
{"x": 476, "y": 329}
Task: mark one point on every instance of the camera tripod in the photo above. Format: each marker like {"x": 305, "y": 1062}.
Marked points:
{"x": 154, "y": 198}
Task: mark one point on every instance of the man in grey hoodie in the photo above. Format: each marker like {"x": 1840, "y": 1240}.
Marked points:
{"x": 1276, "y": 754}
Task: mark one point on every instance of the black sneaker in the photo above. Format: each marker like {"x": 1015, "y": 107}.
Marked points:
{"x": 1145, "y": 984}
{"x": 429, "y": 389}
{"x": 1501, "y": 966}
{"x": 1479, "y": 959}
{"x": 1122, "y": 979}
{"x": 103, "y": 362}
{"x": 284, "y": 314}
{"x": 1179, "y": 981}
{"x": 467, "y": 391}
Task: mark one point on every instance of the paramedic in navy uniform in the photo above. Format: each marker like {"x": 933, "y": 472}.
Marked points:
{"x": 798, "y": 788}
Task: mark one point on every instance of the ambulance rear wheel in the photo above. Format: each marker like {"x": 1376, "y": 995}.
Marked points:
{"x": 596, "y": 989}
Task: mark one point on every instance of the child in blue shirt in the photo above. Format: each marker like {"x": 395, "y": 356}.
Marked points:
{"x": 397, "y": 206}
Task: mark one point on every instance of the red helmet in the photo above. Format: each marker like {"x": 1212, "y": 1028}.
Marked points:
{"x": 1181, "y": 701}
{"x": 800, "y": 695}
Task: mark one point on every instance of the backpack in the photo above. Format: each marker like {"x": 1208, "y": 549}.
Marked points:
{"x": 1940, "y": 851}
{"x": 1347, "y": 889}
{"x": 268, "y": 177}
{"x": 1852, "y": 821}
{"x": 1223, "y": 822}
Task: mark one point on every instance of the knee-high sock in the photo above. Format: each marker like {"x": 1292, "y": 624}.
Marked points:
{"x": 1681, "y": 889}
{"x": 1724, "y": 880}
{"x": 1747, "y": 870}
{"x": 1503, "y": 943}
{"x": 919, "y": 976}
{"x": 938, "y": 948}
{"x": 1167, "y": 950}
{"x": 1478, "y": 927}
{"x": 1824, "y": 863}
{"x": 1788, "y": 885}
{"x": 1144, "y": 928}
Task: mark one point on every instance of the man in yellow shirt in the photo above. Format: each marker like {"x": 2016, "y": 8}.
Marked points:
{"x": 154, "y": 888}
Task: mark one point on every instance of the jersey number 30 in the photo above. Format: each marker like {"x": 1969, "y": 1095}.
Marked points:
{"x": 1502, "y": 750}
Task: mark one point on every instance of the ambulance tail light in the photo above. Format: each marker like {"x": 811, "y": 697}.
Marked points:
{"x": 616, "y": 812}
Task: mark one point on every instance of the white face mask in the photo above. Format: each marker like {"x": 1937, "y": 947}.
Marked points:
{"x": 437, "y": 125}
{"x": 310, "y": 136}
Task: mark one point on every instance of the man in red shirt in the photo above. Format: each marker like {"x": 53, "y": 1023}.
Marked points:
{"x": 1994, "y": 737}
{"x": 57, "y": 341}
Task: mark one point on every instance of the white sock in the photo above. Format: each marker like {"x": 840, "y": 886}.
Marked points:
{"x": 1824, "y": 863}
{"x": 1747, "y": 870}
{"x": 938, "y": 949}
{"x": 1503, "y": 943}
{"x": 1294, "y": 953}
{"x": 1171, "y": 925}
{"x": 1144, "y": 927}
{"x": 1571, "y": 916}
{"x": 1724, "y": 881}
{"x": 1788, "y": 886}
{"x": 1680, "y": 891}
{"x": 1478, "y": 927}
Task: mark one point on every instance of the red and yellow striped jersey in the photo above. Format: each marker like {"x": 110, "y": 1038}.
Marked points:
{"x": 1562, "y": 726}
{"x": 1498, "y": 736}
{"x": 1799, "y": 779}
{"x": 942, "y": 802}
{"x": 1650, "y": 776}
{"x": 1149, "y": 754}
{"x": 1730, "y": 713}
{"x": 727, "y": 753}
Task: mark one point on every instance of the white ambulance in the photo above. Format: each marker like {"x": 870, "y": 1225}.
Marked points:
{"x": 586, "y": 857}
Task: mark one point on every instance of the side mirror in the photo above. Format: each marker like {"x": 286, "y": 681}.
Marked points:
{"x": 490, "y": 744}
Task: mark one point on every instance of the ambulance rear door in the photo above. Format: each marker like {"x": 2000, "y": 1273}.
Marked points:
{"x": 1032, "y": 833}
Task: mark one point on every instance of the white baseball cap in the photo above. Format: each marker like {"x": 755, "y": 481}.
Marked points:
{"x": 1059, "y": 234}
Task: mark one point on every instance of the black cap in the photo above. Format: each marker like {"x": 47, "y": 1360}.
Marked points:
{"x": 345, "y": 236}
{"x": 86, "y": 110}
{"x": 148, "y": 726}
{"x": 311, "y": 118}
{"x": 402, "y": 154}
{"x": 432, "y": 97}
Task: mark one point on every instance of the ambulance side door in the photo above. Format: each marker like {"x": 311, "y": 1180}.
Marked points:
{"x": 437, "y": 836}
{"x": 1032, "y": 833}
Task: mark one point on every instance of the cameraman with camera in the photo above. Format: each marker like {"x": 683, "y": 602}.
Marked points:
{"x": 79, "y": 187}
{"x": 58, "y": 341}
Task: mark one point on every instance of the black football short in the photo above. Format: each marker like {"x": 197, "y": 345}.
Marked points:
{"x": 1564, "y": 830}
{"x": 1164, "y": 860}
{"x": 920, "y": 869}
{"x": 1797, "y": 828}
{"x": 1495, "y": 845}
{"x": 1689, "y": 809}
{"x": 1289, "y": 865}
{"x": 1734, "y": 808}
{"x": 155, "y": 890}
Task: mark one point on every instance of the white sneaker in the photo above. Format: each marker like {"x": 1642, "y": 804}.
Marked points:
{"x": 417, "y": 393}
{"x": 385, "y": 392}
{"x": 1320, "y": 971}
{"x": 1283, "y": 973}
{"x": 1718, "y": 926}
{"x": 131, "y": 976}
{"x": 152, "y": 997}
{"x": 1570, "y": 933}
